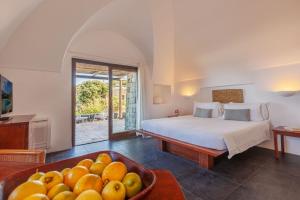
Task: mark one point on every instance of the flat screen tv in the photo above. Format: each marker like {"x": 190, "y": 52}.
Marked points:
{"x": 6, "y": 93}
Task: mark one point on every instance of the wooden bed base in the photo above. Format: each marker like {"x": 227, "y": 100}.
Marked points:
{"x": 203, "y": 156}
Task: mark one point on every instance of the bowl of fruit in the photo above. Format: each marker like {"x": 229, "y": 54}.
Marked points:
{"x": 104, "y": 175}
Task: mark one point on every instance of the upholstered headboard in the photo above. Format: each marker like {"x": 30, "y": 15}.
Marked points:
{"x": 228, "y": 95}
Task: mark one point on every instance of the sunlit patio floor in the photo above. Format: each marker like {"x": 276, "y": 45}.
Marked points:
{"x": 88, "y": 132}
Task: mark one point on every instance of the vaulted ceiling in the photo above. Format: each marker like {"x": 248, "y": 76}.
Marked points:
{"x": 209, "y": 34}
{"x": 40, "y": 42}
{"x": 130, "y": 18}
{"x": 235, "y": 35}
{"x": 12, "y": 14}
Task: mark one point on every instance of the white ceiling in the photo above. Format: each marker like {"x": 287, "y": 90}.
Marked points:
{"x": 209, "y": 34}
{"x": 12, "y": 14}
{"x": 237, "y": 34}
{"x": 40, "y": 42}
{"x": 130, "y": 18}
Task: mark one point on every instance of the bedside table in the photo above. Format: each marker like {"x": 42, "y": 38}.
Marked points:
{"x": 282, "y": 132}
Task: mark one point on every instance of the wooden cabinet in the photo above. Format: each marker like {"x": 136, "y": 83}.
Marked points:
{"x": 14, "y": 132}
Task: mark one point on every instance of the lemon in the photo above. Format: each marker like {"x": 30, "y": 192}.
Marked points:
{"x": 27, "y": 189}
{"x": 89, "y": 195}
{"x": 104, "y": 158}
{"x": 115, "y": 171}
{"x": 57, "y": 189}
{"x": 97, "y": 168}
{"x": 66, "y": 195}
{"x": 37, "y": 197}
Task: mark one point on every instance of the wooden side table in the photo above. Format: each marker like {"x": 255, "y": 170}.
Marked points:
{"x": 282, "y": 132}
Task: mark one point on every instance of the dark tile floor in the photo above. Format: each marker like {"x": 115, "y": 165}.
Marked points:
{"x": 252, "y": 175}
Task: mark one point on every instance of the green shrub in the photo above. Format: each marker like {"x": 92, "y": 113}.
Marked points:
{"x": 91, "y": 97}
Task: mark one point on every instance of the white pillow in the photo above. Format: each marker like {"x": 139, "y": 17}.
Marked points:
{"x": 215, "y": 106}
{"x": 257, "y": 110}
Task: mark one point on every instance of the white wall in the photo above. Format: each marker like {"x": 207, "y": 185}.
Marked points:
{"x": 164, "y": 42}
{"x": 163, "y": 53}
{"x": 259, "y": 86}
{"x": 36, "y": 60}
{"x": 49, "y": 93}
{"x": 45, "y": 94}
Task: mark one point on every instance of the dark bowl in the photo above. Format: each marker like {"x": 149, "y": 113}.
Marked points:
{"x": 148, "y": 176}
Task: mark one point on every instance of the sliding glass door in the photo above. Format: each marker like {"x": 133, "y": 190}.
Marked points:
{"x": 104, "y": 101}
{"x": 124, "y": 100}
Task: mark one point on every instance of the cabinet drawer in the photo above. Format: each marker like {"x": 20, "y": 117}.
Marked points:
{"x": 14, "y": 136}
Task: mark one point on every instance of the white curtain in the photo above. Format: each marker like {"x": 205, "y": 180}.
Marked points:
{"x": 141, "y": 101}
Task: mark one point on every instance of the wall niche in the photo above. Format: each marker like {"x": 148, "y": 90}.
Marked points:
{"x": 161, "y": 94}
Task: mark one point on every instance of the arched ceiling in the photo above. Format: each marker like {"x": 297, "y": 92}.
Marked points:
{"x": 235, "y": 34}
{"x": 106, "y": 46}
{"x": 40, "y": 42}
{"x": 12, "y": 14}
{"x": 209, "y": 34}
{"x": 130, "y": 18}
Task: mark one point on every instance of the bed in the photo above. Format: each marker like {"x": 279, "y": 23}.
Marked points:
{"x": 204, "y": 139}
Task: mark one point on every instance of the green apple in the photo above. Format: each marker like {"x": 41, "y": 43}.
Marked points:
{"x": 36, "y": 176}
{"x": 133, "y": 184}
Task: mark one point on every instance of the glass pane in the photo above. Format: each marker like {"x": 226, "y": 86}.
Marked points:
{"x": 92, "y": 93}
{"x": 124, "y": 89}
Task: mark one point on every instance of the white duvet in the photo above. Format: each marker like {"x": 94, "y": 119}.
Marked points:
{"x": 235, "y": 136}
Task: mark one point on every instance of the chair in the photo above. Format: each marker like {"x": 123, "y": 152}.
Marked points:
{"x": 24, "y": 156}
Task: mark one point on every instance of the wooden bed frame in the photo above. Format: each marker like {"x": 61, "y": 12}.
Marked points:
{"x": 203, "y": 156}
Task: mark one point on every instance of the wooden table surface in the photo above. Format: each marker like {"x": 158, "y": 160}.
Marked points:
{"x": 166, "y": 187}
{"x": 9, "y": 168}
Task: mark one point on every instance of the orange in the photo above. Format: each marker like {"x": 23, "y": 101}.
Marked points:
{"x": 115, "y": 171}
{"x": 86, "y": 163}
{"x": 65, "y": 171}
{"x": 74, "y": 175}
{"x": 104, "y": 158}
{"x": 88, "y": 181}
